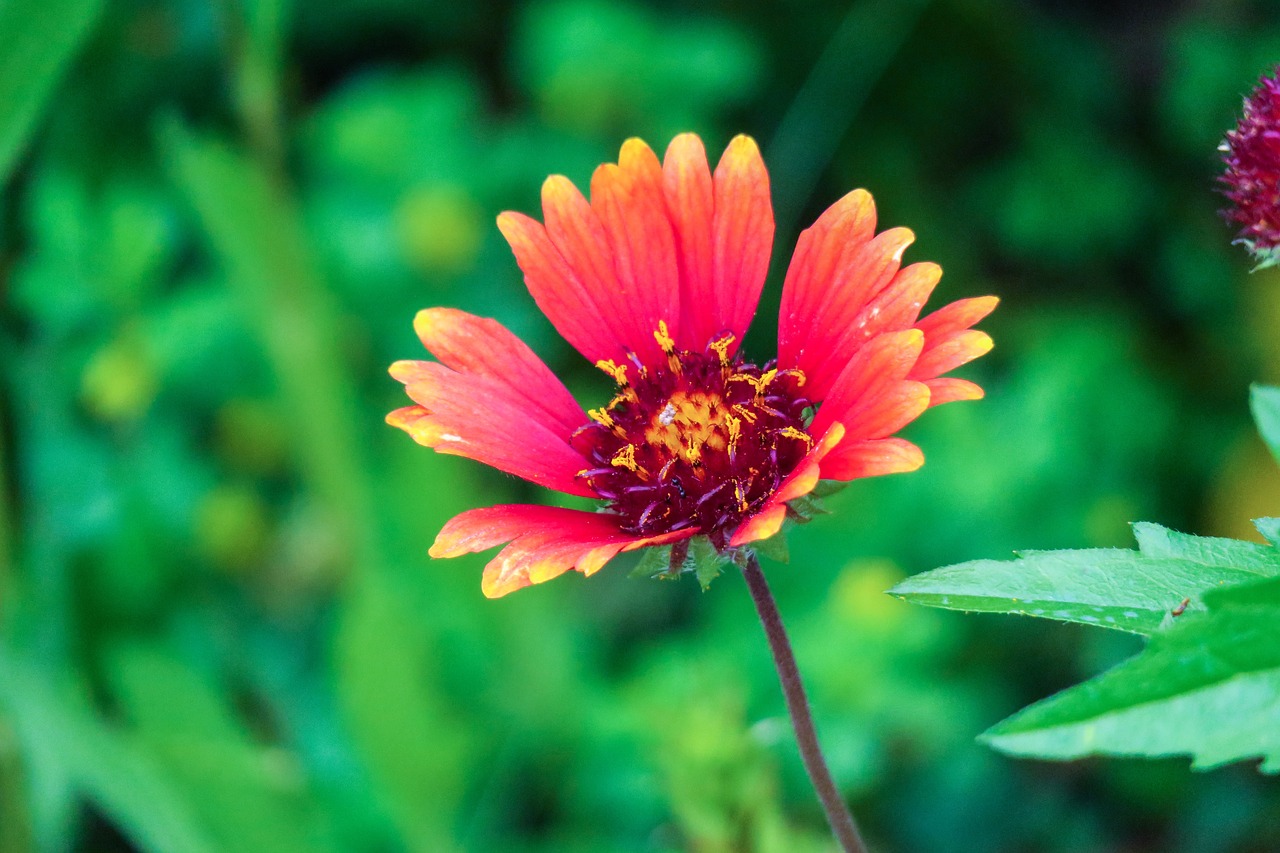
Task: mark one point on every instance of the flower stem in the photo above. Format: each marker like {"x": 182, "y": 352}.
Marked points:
{"x": 784, "y": 660}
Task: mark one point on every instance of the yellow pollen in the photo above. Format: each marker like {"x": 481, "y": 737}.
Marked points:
{"x": 626, "y": 458}
{"x": 745, "y": 413}
{"x": 741, "y": 495}
{"x": 765, "y": 379}
{"x": 668, "y": 344}
{"x": 797, "y": 434}
{"x": 602, "y": 417}
{"x": 721, "y": 348}
{"x": 690, "y": 421}
{"x": 617, "y": 371}
{"x": 735, "y": 432}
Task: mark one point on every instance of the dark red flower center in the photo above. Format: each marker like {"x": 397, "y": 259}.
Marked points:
{"x": 701, "y": 441}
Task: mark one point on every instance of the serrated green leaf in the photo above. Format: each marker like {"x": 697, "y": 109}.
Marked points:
{"x": 1264, "y": 400}
{"x": 1209, "y": 687}
{"x": 775, "y": 547}
{"x": 1108, "y": 587}
{"x": 40, "y": 38}
{"x": 653, "y": 562}
{"x": 827, "y": 488}
{"x": 1270, "y": 529}
{"x": 1157, "y": 541}
{"x": 705, "y": 562}
{"x": 804, "y": 509}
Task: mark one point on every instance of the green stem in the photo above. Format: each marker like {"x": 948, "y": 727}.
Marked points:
{"x": 842, "y": 825}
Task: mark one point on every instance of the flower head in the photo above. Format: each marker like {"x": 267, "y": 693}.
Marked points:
{"x": 655, "y": 280}
{"x": 1252, "y": 155}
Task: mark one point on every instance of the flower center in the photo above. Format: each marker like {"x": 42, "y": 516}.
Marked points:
{"x": 699, "y": 442}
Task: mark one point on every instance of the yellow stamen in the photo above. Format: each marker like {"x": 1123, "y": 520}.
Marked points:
{"x": 626, "y": 458}
{"x": 797, "y": 434}
{"x": 668, "y": 344}
{"x": 765, "y": 379}
{"x": 602, "y": 417}
{"x": 746, "y": 414}
{"x": 741, "y": 495}
{"x": 735, "y": 432}
{"x": 721, "y": 348}
{"x": 615, "y": 370}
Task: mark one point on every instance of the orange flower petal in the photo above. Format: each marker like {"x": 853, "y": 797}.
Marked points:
{"x": 742, "y": 237}
{"x": 476, "y": 416}
{"x": 949, "y": 390}
{"x": 478, "y": 345}
{"x": 960, "y": 314}
{"x": 560, "y": 295}
{"x": 545, "y": 542}
{"x": 870, "y": 374}
{"x": 886, "y": 413}
{"x": 628, "y": 199}
{"x": 690, "y": 197}
{"x": 800, "y": 482}
{"x": 856, "y": 459}
{"x": 949, "y": 351}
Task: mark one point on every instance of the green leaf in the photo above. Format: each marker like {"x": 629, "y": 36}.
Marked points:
{"x": 654, "y": 562}
{"x": 1209, "y": 687}
{"x": 775, "y": 547}
{"x": 1265, "y": 402}
{"x": 705, "y": 561}
{"x": 118, "y": 776}
{"x": 1270, "y": 529}
{"x": 1157, "y": 541}
{"x": 1108, "y": 587}
{"x": 40, "y": 38}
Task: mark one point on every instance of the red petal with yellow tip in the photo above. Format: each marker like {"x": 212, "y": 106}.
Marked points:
{"x": 477, "y": 417}
{"x": 565, "y": 300}
{"x": 948, "y": 389}
{"x": 690, "y": 197}
{"x": 856, "y": 459}
{"x": 478, "y": 345}
{"x": 545, "y": 542}
{"x": 873, "y": 372}
{"x": 742, "y": 237}
{"x": 800, "y": 482}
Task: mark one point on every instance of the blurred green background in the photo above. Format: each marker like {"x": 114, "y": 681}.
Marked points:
{"x": 221, "y": 631}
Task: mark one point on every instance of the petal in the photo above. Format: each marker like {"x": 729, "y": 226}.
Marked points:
{"x": 949, "y": 351}
{"x": 478, "y": 345}
{"x": 477, "y": 417}
{"x": 800, "y": 482}
{"x": 742, "y": 235}
{"x": 840, "y": 232}
{"x": 960, "y": 314}
{"x": 870, "y": 377}
{"x": 545, "y": 542}
{"x": 482, "y": 529}
{"x": 690, "y": 197}
{"x": 628, "y": 199}
{"x": 949, "y": 389}
{"x": 555, "y": 287}
{"x": 855, "y": 459}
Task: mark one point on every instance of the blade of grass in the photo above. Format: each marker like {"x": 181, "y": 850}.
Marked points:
{"x": 40, "y": 39}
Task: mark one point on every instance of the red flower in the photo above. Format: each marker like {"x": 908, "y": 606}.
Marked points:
{"x": 655, "y": 280}
{"x": 1252, "y": 154}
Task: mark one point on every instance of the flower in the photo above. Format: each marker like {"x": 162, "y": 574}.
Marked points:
{"x": 655, "y": 280}
{"x": 1252, "y": 155}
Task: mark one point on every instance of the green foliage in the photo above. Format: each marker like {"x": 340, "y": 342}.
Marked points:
{"x": 1265, "y": 402}
{"x": 1208, "y": 687}
{"x": 41, "y": 37}
{"x": 219, "y": 627}
{"x": 1111, "y": 588}
{"x": 1207, "y": 684}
